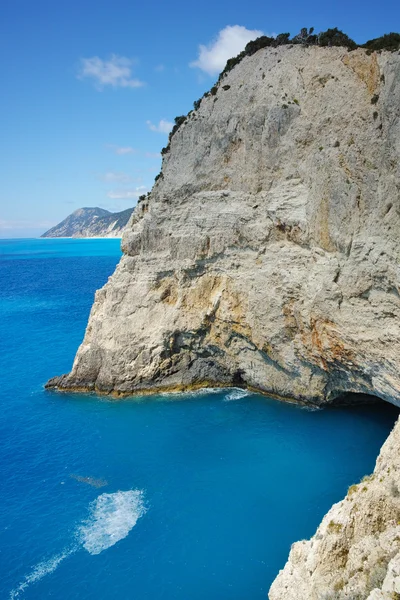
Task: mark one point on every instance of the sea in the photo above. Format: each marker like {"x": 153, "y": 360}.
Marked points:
{"x": 164, "y": 497}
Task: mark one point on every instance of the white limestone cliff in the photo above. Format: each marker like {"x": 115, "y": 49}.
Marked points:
{"x": 267, "y": 256}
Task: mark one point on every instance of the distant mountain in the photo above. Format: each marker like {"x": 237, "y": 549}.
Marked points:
{"x": 91, "y": 222}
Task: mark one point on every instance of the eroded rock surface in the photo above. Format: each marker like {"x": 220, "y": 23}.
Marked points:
{"x": 355, "y": 553}
{"x": 267, "y": 253}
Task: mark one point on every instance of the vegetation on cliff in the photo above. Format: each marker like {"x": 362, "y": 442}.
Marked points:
{"x": 306, "y": 37}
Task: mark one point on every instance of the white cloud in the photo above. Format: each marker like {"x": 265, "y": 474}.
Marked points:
{"x": 116, "y": 72}
{"x": 230, "y": 41}
{"x": 121, "y": 150}
{"x": 127, "y": 194}
{"x": 127, "y": 150}
{"x": 152, "y": 155}
{"x": 112, "y": 176}
{"x": 163, "y": 126}
{"x": 159, "y": 68}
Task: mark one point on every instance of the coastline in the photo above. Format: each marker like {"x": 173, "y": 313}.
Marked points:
{"x": 77, "y": 237}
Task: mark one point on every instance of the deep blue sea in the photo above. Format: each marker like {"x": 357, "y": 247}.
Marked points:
{"x": 162, "y": 498}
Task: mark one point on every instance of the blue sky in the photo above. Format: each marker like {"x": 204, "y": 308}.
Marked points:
{"x": 89, "y": 89}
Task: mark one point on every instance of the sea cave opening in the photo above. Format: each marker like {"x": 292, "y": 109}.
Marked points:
{"x": 365, "y": 404}
{"x": 341, "y": 398}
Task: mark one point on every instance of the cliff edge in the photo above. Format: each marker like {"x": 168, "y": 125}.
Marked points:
{"x": 267, "y": 253}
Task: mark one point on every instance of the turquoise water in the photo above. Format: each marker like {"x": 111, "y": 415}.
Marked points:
{"x": 152, "y": 499}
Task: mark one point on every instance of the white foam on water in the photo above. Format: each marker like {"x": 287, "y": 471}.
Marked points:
{"x": 189, "y": 393}
{"x": 112, "y": 516}
{"x": 203, "y": 391}
{"x": 236, "y": 394}
{"x": 39, "y": 571}
{"x": 311, "y": 408}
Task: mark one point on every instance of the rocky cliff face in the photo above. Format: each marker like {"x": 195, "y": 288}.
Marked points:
{"x": 91, "y": 222}
{"x": 267, "y": 256}
{"x": 355, "y": 553}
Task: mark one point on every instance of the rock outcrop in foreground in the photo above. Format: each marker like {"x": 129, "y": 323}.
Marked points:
{"x": 355, "y": 553}
{"x": 267, "y": 256}
{"x": 91, "y": 222}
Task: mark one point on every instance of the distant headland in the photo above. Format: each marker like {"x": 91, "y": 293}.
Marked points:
{"x": 91, "y": 222}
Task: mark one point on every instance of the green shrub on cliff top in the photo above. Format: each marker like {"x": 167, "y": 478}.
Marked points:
{"x": 255, "y": 45}
{"x": 389, "y": 41}
{"x": 305, "y": 37}
{"x": 335, "y": 37}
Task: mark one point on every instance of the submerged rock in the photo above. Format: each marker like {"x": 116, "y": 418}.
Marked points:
{"x": 97, "y": 483}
